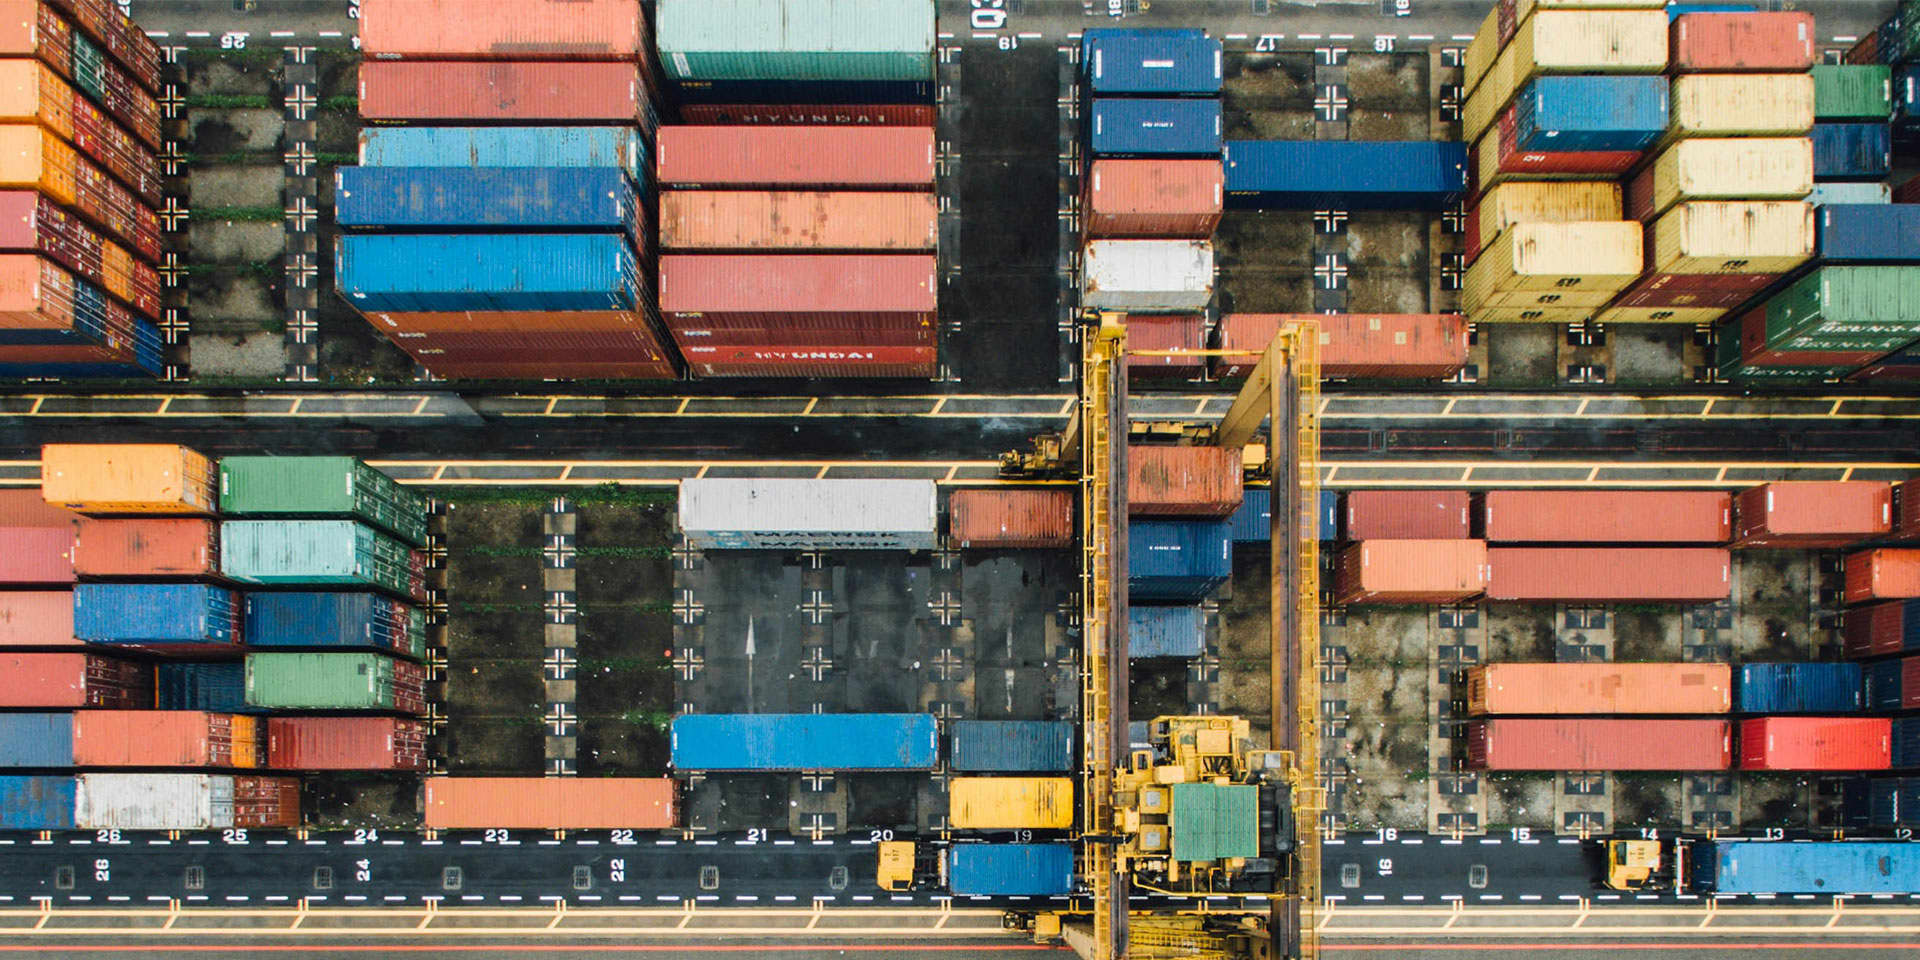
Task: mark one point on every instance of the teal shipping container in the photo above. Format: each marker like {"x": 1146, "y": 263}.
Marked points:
{"x": 319, "y": 551}
{"x": 816, "y": 40}
{"x": 321, "y": 487}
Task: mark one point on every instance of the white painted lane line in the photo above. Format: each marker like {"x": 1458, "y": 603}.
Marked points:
{"x": 280, "y": 33}
{"x": 329, "y": 33}
{"x": 157, "y": 33}
{"x": 1463, "y": 36}
{"x": 198, "y": 33}
{"x": 1419, "y": 36}
{"x": 1236, "y": 36}
{"x": 1372, "y": 896}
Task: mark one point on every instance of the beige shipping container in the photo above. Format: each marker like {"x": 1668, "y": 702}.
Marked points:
{"x": 1537, "y": 202}
{"x": 1733, "y": 236}
{"x": 781, "y": 220}
{"x": 1710, "y": 168}
{"x": 1557, "y": 258}
{"x": 1521, "y": 8}
{"x": 1010, "y": 803}
{"x": 1565, "y": 41}
{"x": 1482, "y": 51}
{"x": 1661, "y": 314}
{"x": 1555, "y": 315}
{"x": 1741, "y": 105}
{"x": 1489, "y": 98}
{"x": 1543, "y": 298}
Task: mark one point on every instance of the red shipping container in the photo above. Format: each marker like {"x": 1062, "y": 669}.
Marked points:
{"x": 30, "y": 28}
{"x": 1168, "y": 332}
{"x": 547, "y": 370}
{"x": 1387, "y": 346}
{"x": 32, "y": 222}
{"x": 796, "y": 221}
{"x": 711, "y": 360}
{"x": 549, "y": 803}
{"x": 1812, "y": 514}
{"x": 130, "y": 162}
{"x": 1754, "y": 352}
{"x": 37, "y": 618}
{"x": 1723, "y": 290}
{"x": 130, "y": 106}
{"x": 1000, "y": 518}
{"x": 1908, "y": 192}
{"x": 68, "y": 680}
{"x": 1183, "y": 481}
{"x": 1598, "y": 743}
{"x": 1864, "y": 52}
{"x": 164, "y": 738}
{"x": 809, "y": 114}
{"x": 1816, "y": 743}
{"x": 109, "y": 28}
{"x": 1885, "y": 574}
{"x": 36, "y": 556}
{"x": 842, "y": 158}
{"x": 1167, "y": 199}
{"x": 821, "y": 330}
{"x": 1874, "y": 630}
{"x": 1606, "y": 516}
{"x": 851, "y": 291}
{"x": 346, "y": 743}
{"x": 1504, "y": 141}
{"x": 519, "y": 90}
{"x": 1408, "y": 515}
{"x": 262, "y": 802}
{"x": 1609, "y": 574}
{"x": 148, "y": 547}
{"x": 26, "y": 507}
{"x": 1906, "y": 509}
{"x": 1778, "y": 42}
{"x": 486, "y": 29}
{"x": 1412, "y": 571}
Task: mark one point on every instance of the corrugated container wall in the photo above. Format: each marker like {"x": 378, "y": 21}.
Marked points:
{"x": 346, "y": 743}
{"x": 487, "y": 271}
{"x": 504, "y": 91}
{"x": 156, "y": 613}
{"x": 487, "y": 29}
{"x": 796, "y": 40}
{"x": 36, "y": 739}
{"x": 1340, "y": 174}
{"x": 320, "y": 551}
{"x": 1743, "y": 42}
{"x": 1165, "y": 199}
{"x": 1183, "y": 481}
{"x": 321, "y": 486}
{"x": 1011, "y": 746}
{"x": 1010, "y": 518}
{"x": 1253, "y": 522}
{"x": 1883, "y": 574}
{"x": 74, "y": 680}
{"x": 171, "y": 738}
{"x": 214, "y": 687}
{"x": 1165, "y": 631}
{"x": 1157, "y": 332}
{"x": 748, "y": 220}
{"x": 1151, "y": 62}
{"x": 153, "y": 801}
{"x": 578, "y": 198}
{"x": 1599, "y": 688}
{"x": 1010, "y": 803}
{"x": 1407, "y": 515}
{"x": 334, "y": 681}
{"x": 323, "y": 620}
{"x": 620, "y": 147}
{"x": 1868, "y": 232}
{"x": 549, "y": 803}
{"x": 1605, "y": 516}
{"x": 1398, "y": 346}
{"x": 1815, "y": 743}
{"x": 1590, "y": 113}
{"x": 1812, "y": 514}
{"x": 1852, "y": 151}
{"x": 183, "y": 547}
{"x": 805, "y": 741}
{"x": 1412, "y": 571}
{"x": 1822, "y": 869}
{"x": 1608, "y": 574}
{"x": 1778, "y": 168}
{"x": 1148, "y": 276}
{"x": 1146, "y": 128}
{"x": 1798, "y": 688}
{"x": 793, "y": 295}
{"x": 36, "y": 803}
{"x": 765, "y": 514}
{"x": 1757, "y": 105}
{"x": 1881, "y": 628}
{"x": 36, "y": 618}
{"x": 1009, "y": 869}
{"x": 1850, "y": 92}
{"x": 1599, "y": 743}
{"x": 1177, "y": 561}
{"x": 127, "y": 478}
{"x": 1527, "y": 202}
{"x": 788, "y": 158}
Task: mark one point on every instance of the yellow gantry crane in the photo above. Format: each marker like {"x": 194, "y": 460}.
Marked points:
{"x": 1103, "y": 619}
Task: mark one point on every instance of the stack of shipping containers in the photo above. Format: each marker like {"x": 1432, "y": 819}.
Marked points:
{"x": 505, "y": 231}
{"x": 1180, "y": 501}
{"x": 1882, "y": 593}
{"x": 79, "y": 130}
{"x": 1409, "y": 546}
{"x": 798, "y": 226}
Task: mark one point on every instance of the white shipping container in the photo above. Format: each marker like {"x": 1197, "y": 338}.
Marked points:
{"x": 770, "y": 514}
{"x": 1148, "y": 276}
{"x": 153, "y": 801}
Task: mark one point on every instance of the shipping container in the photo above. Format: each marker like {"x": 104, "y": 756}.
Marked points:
{"x": 1010, "y": 803}
{"x": 157, "y": 614}
{"x": 1411, "y": 571}
{"x": 36, "y": 739}
{"x": 1822, "y": 867}
{"x": 153, "y": 801}
{"x": 320, "y": 552}
{"x": 845, "y": 293}
{"x": 1906, "y": 742}
{"x": 1883, "y": 574}
{"x": 32, "y": 93}
{"x": 1011, "y": 746}
{"x": 1605, "y": 516}
{"x": 529, "y": 344}
{"x": 1608, "y": 574}
{"x": 335, "y": 620}
{"x": 32, "y": 28}
{"x": 109, "y": 478}
{"x": 1599, "y": 688}
{"x": 1408, "y": 515}
{"x": 1880, "y": 629}
{"x": 1497, "y": 158}
{"x": 1149, "y": 335}
{"x": 1742, "y": 42}
{"x": 1835, "y": 194}
{"x": 74, "y": 680}
{"x": 620, "y": 147}
{"x": 346, "y": 743}
{"x": 506, "y": 91}
{"x": 1567, "y": 41}
{"x": 1344, "y": 175}
{"x": 1504, "y": 19}
{"x": 214, "y": 687}
{"x": 1871, "y": 304}
{"x": 1815, "y": 743}
{"x": 321, "y": 487}
{"x": 1532, "y": 202}
{"x": 755, "y": 157}
{"x": 34, "y": 158}
{"x": 1155, "y": 62}
{"x": 488, "y": 271}
{"x": 165, "y": 738}
{"x": 1777, "y": 168}
{"x": 1753, "y": 237}
{"x": 749, "y": 220}
{"x": 1253, "y": 522}
{"x": 36, "y": 803}
{"x": 1153, "y": 128}
{"x": 1165, "y": 632}
{"x": 807, "y": 361}
{"x": 1177, "y": 561}
{"x": 32, "y": 222}
{"x": 266, "y": 802}
{"x": 1767, "y": 342}
{"x": 1746, "y": 105}
{"x": 771, "y": 742}
{"x": 1812, "y": 514}
{"x": 1843, "y": 92}
{"x": 549, "y": 803}
{"x": 1868, "y": 232}
{"x": 719, "y": 513}
{"x": 1882, "y": 686}
{"x": 25, "y": 507}
{"x": 48, "y": 315}
{"x": 1183, "y": 481}
{"x": 1000, "y": 518}
{"x": 37, "y": 618}
{"x": 1599, "y": 743}
{"x": 810, "y": 114}
{"x": 1798, "y": 688}
{"x": 487, "y": 29}
{"x": 109, "y": 27}
{"x": 1557, "y": 258}
{"x": 469, "y": 198}
{"x": 1397, "y": 346}
{"x": 37, "y": 556}
{"x": 334, "y": 681}
{"x": 795, "y": 40}
{"x": 1147, "y": 276}
{"x": 1852, "y": 151}
{"x": 1164, "y": 199}
{"x": 1587, "y": 113}
{"x": 147, "y": 547}
{"x": 1008, "y": 869}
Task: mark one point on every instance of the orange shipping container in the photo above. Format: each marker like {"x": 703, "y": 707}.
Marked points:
{"x": 127, "y": 478}
{"x": 748, "y": 220}
{"x": 30, "y": 92}
{"x": 165, "y": 738}
{"x": 1412, "y": 571}
{"x": 1161, "y": 199}
{"x": 506, "y": 90}
{"x": 1810, "y": 514}
{"x": 846, "y": 158}
{"x": 1779, "y": 42}
{"x": 1178, "y": 331}
{"x": 999, "y": 517}
{"x": 1599, "y": 688}
{"x": 184, "y": 547}
{"x": 1405, "y": 346}
{"x": 1608, "y": 574}
{"x": 1599, "y": 743}
{"x": 37, "y": 618}
{"x": 1885, "y": 574}
{"x": 549, "y": 803}
{"x": 31, "y": 28}
{"x": 1606, "y": 516}
{"x": 33, "y": 158}
{"x": 486, "y": 29}
{"x": 1182, "y": 481}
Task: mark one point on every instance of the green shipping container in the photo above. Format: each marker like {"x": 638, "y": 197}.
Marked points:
{"x": 1847, "y": 301}
{"x": 318, "y": 552}
{"x": 87, "y": 63}
{"x": 840, "y": 40}
{"x": 320, "y": 681}
{"x": 321, "y": 487}
{"x": 1727, "y": 364}
{"x": 1215, "y": 822}
{"x": 1852, "y": 92}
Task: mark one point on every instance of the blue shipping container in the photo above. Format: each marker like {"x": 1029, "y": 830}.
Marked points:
{"x": 805, "y": 741}
{"x": 1797, "y": 688}
{"x": 1852, "y": 151}
{"x": 1155, "y": 128}
{"x": 218, "y": 687}
{"x": 1677, "y": 10}
{"x": 1009, "y": 869}
{"x": 1151, "y": 62}
{"x": 36, "y": 739}
{"x": 487, "y": 271}
{"x": 1010, "y": 746}
{"x": 1345, "y": 174}
{"x": 155, "y": 613}
{"x": 472, "y": 198}
{"x": 1591, "y": 113}
{"x": 1882, "y": 685}
{"x": 36, "y": 803}
{"x": 1820, "y": 866}
{"x": 1888, "y": 802}
{"x": 1906, "y": 743}
{"x": 1253, "y": 522}
{"x": 1165, "y": 632}
{"x": 1868, "y": 233}
{"x": 621, "y": 147}
{"x": 1177, "y": 561}
{"x": 1825, "y": 194}
{"x": 361, "y": 620}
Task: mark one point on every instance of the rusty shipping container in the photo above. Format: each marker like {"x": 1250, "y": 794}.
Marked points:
{"x": 851, "y": 292}
{"x": 809, "y": 114}
{"x": 33, "y": 158}
{"x": 549, "y": 803}
{"x": 749, "y": 157}
{"x": 1880, "y": 629}
{"x": 519, "y": 90}
{"x": 1884, "y": 574}
{"x": 37, "y": 618}
{"x": 1397, "y": 346}
{"x": 1004, "y": 518}
{"x": 109, "y": 27}
{"x": 1741, "y": 42}
{"x": 1599, "y": 688}
{"x": 750, "y": 220}
{"x": 264, "y": 802}
{"x": 712, "y": 360}
{"x": 345, "y": 743}
{"x": 1811, "y": 514}
{"x": 1411, "y": 571}
{"x": 68, "y": 680}
{"x": 1175, "y": 331}
{"x": 165, "y": 738}
{"x": 1408, "y": 515}
{"x": 1599, "y": 743}
{"x": 1608, "y": 574}
{"x": 1157, "y": 199}
{"x": 489, "y": 29}
{"x": 109, "y": 478}
{"x": 1183, "y": 481}
{"x": 33, "y": 222}
{"x": 1906, "y": 508}
{"x": 1816, "y": 743}
{"x": 183, "y": 547}
{"x": 1605, "y": 516}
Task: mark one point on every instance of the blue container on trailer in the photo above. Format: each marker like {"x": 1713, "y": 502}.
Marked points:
{"x": 1797, "y": 688}
{"x": 218, "y": 687}
{"x": 1852, "y": 151}
{"x": 1839, "y": 192}
{"x": 1345, "y": 174}
{"x": 1151, "y": 62}
{"x": 1253, "y": 521}
{"x": 36, "y": 739}
{"x": 1906, "y": 743}
{"x": 144, "y": 613}
{"x": 325, "y": 619}
{"x": 36, "y": 803}
{"x": 1154, "y": 128}
{"x": 805, "y": 741}
{"x": 475, "y": 198}
{"x": 1882, "y": 685}
{"x": 1868, "y": 233}
{"x": 1009, "y": 869}
{"x": 1591, "y": 113}
{"x": 1165, "y": 632}
{"x": 1177, "y": 561}
{"x": 487, "y": 271}
{"x": 1010, "y": 746}
{"x": 1819, "y": 866}
{"x": 620, "y": 147}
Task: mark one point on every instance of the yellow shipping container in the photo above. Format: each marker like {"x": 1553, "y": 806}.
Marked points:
{"x": 1535, "y": 202}
{"x": 126, "y": 478}
{"x": 1757, "y": 168}
{"x": 1741, "y": 104}
{"x": 1558, "y": 299}
{"x": 1568, "y": 41}
{"x": 1010, "y": 803}
{"x": 1556, "y": 315}
{"x": 1481, "y": 53}
{"x": 1522, "y": 8}
{"x": 1489, "y": 98}
{"x": 1556, "y": 258}
{"x": 1739, "y": 236}
{"x": 1662, "y": 314}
